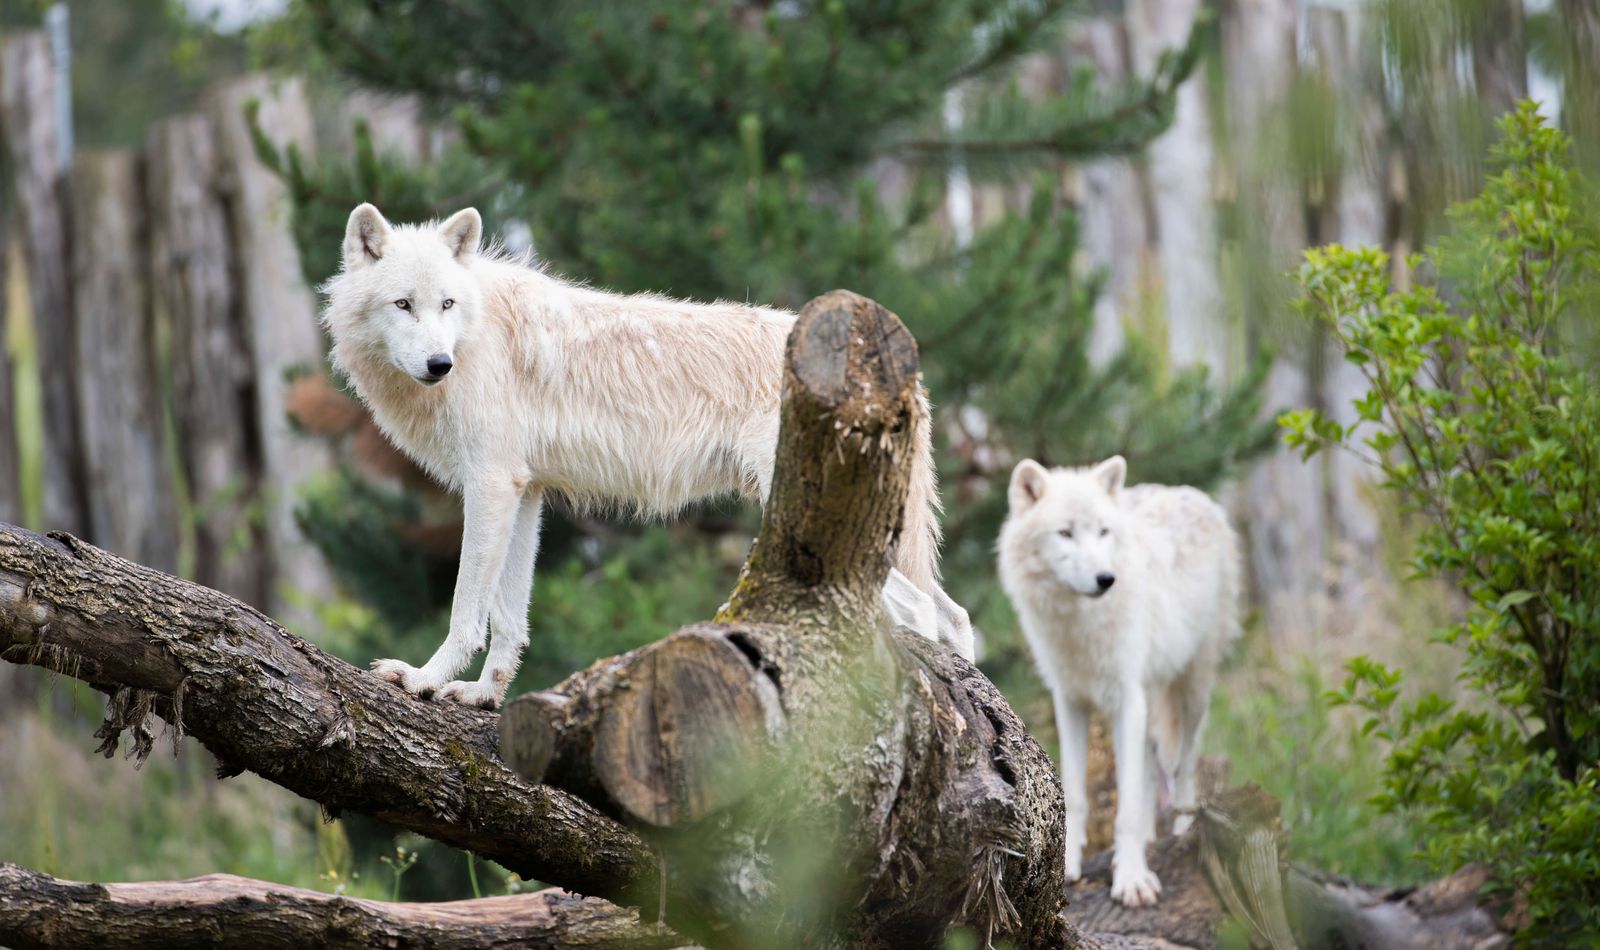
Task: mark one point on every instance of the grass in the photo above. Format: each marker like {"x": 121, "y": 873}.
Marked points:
{"x": 69, "y": 813}
{"x": 1279, "y": 730}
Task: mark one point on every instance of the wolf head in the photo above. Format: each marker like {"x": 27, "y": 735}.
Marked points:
{"x": 406, "y": 294}
{"x": 1068, "y": 521}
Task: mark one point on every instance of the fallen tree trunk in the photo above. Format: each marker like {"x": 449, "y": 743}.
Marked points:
{"x": 262, "y": 699}
{"x": 39, "y": 912}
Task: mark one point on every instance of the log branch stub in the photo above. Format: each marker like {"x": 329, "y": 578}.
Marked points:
{"x": 263, "y": 699}
{"x": 531, "y": 728}
{"x": 684, "y": 740}
{"x": 668, "y": 734}
{"x": 851, "y": 395}
{"x": 40, "y": 912}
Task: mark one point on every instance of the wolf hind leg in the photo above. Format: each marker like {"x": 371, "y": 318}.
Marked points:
{"x": 1190, "y": 697}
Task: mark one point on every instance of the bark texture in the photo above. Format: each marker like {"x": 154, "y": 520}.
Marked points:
{"x": 263, "y": 699}
{"x": 39, "y": 912}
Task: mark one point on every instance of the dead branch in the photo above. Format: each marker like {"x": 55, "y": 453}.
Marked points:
{"x": 39, "y": 912}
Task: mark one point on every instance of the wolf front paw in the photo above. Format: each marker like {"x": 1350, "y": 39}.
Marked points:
{"x": 476, "y": 693}
{"x": 1074, "y": 867}
{"x": 1135, "y": 886}
{"x": 407, "y": 677}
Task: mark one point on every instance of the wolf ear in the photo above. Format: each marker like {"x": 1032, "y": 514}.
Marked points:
{"x": 462, "y": 232}
{"x": 1028, "y": 483}
{"x": 364, "y": 236}
{"x": 1111, "y": 473}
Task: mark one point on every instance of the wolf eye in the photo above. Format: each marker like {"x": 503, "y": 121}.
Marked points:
{"x": 1104, "y": 532}
{"x": 403, "y": 304}
{"x": 448, "y": 303}
{"x": 1066, "y": 532}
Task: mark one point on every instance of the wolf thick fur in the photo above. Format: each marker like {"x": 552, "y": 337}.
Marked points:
{"x": 1128, "y": 597}
{"x": 505, "y": 383}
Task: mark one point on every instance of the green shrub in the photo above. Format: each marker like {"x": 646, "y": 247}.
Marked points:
{"x": 1485, "y": 427}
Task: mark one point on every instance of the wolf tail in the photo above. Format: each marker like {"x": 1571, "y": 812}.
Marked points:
{"x": 917, "y": 554}
{"x": 917, "y": 551}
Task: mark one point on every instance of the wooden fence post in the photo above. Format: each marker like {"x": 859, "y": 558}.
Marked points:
{"x": 280, "y": 313}
{"x": 10, "y": 457}
{"x": 40, "y": 183}
{"x": 130, "y": 480}
{"x": 193, "y": 287}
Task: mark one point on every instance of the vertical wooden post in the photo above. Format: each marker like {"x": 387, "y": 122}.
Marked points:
{"x": 193, "y": 275}
{"x": 10, "y": 457}
{"x": 1285, "y": 502}
{"x": 1580, "y": 92}
{"x": 1114, "y": 202}
{"x": 131, "y": 501}
{"x": 280, "y": 314}
{"x": 1181, "y": 174}
{"x": 1347, "y": 58}
{"x": 1499, "y": 54}
{"x": 28, "y": 125}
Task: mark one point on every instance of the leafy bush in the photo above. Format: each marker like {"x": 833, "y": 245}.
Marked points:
{"x": 1482, "y": 423}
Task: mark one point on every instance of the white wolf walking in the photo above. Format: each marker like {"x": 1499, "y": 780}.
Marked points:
{"x": 506, "y": 383}
{"x": 1128, "y": 597}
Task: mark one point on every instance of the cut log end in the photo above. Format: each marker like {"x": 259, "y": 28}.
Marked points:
{"x": 845, "y": 346}
{"x": 529, "y": 732}
{"x": 851, "y": 406}
{"x": 685, "y": 736}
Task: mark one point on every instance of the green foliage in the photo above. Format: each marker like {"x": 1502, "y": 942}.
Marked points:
{"x": 398, "y": 865}
{"x": 1484, "y": 430}
{"x": 1284, "y": 734}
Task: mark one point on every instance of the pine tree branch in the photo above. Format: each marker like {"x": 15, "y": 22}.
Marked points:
{"x": 263, "y": 699}
{"x": 1076, "y": 123}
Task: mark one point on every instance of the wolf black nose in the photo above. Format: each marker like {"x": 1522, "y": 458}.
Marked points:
{"x": 1105, "y": 581}
{"x": 438, "y": 365}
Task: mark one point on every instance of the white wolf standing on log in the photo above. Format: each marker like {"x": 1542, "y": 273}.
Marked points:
{"x": 505, "y": 383}
{"x": 1128, "y": 597}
